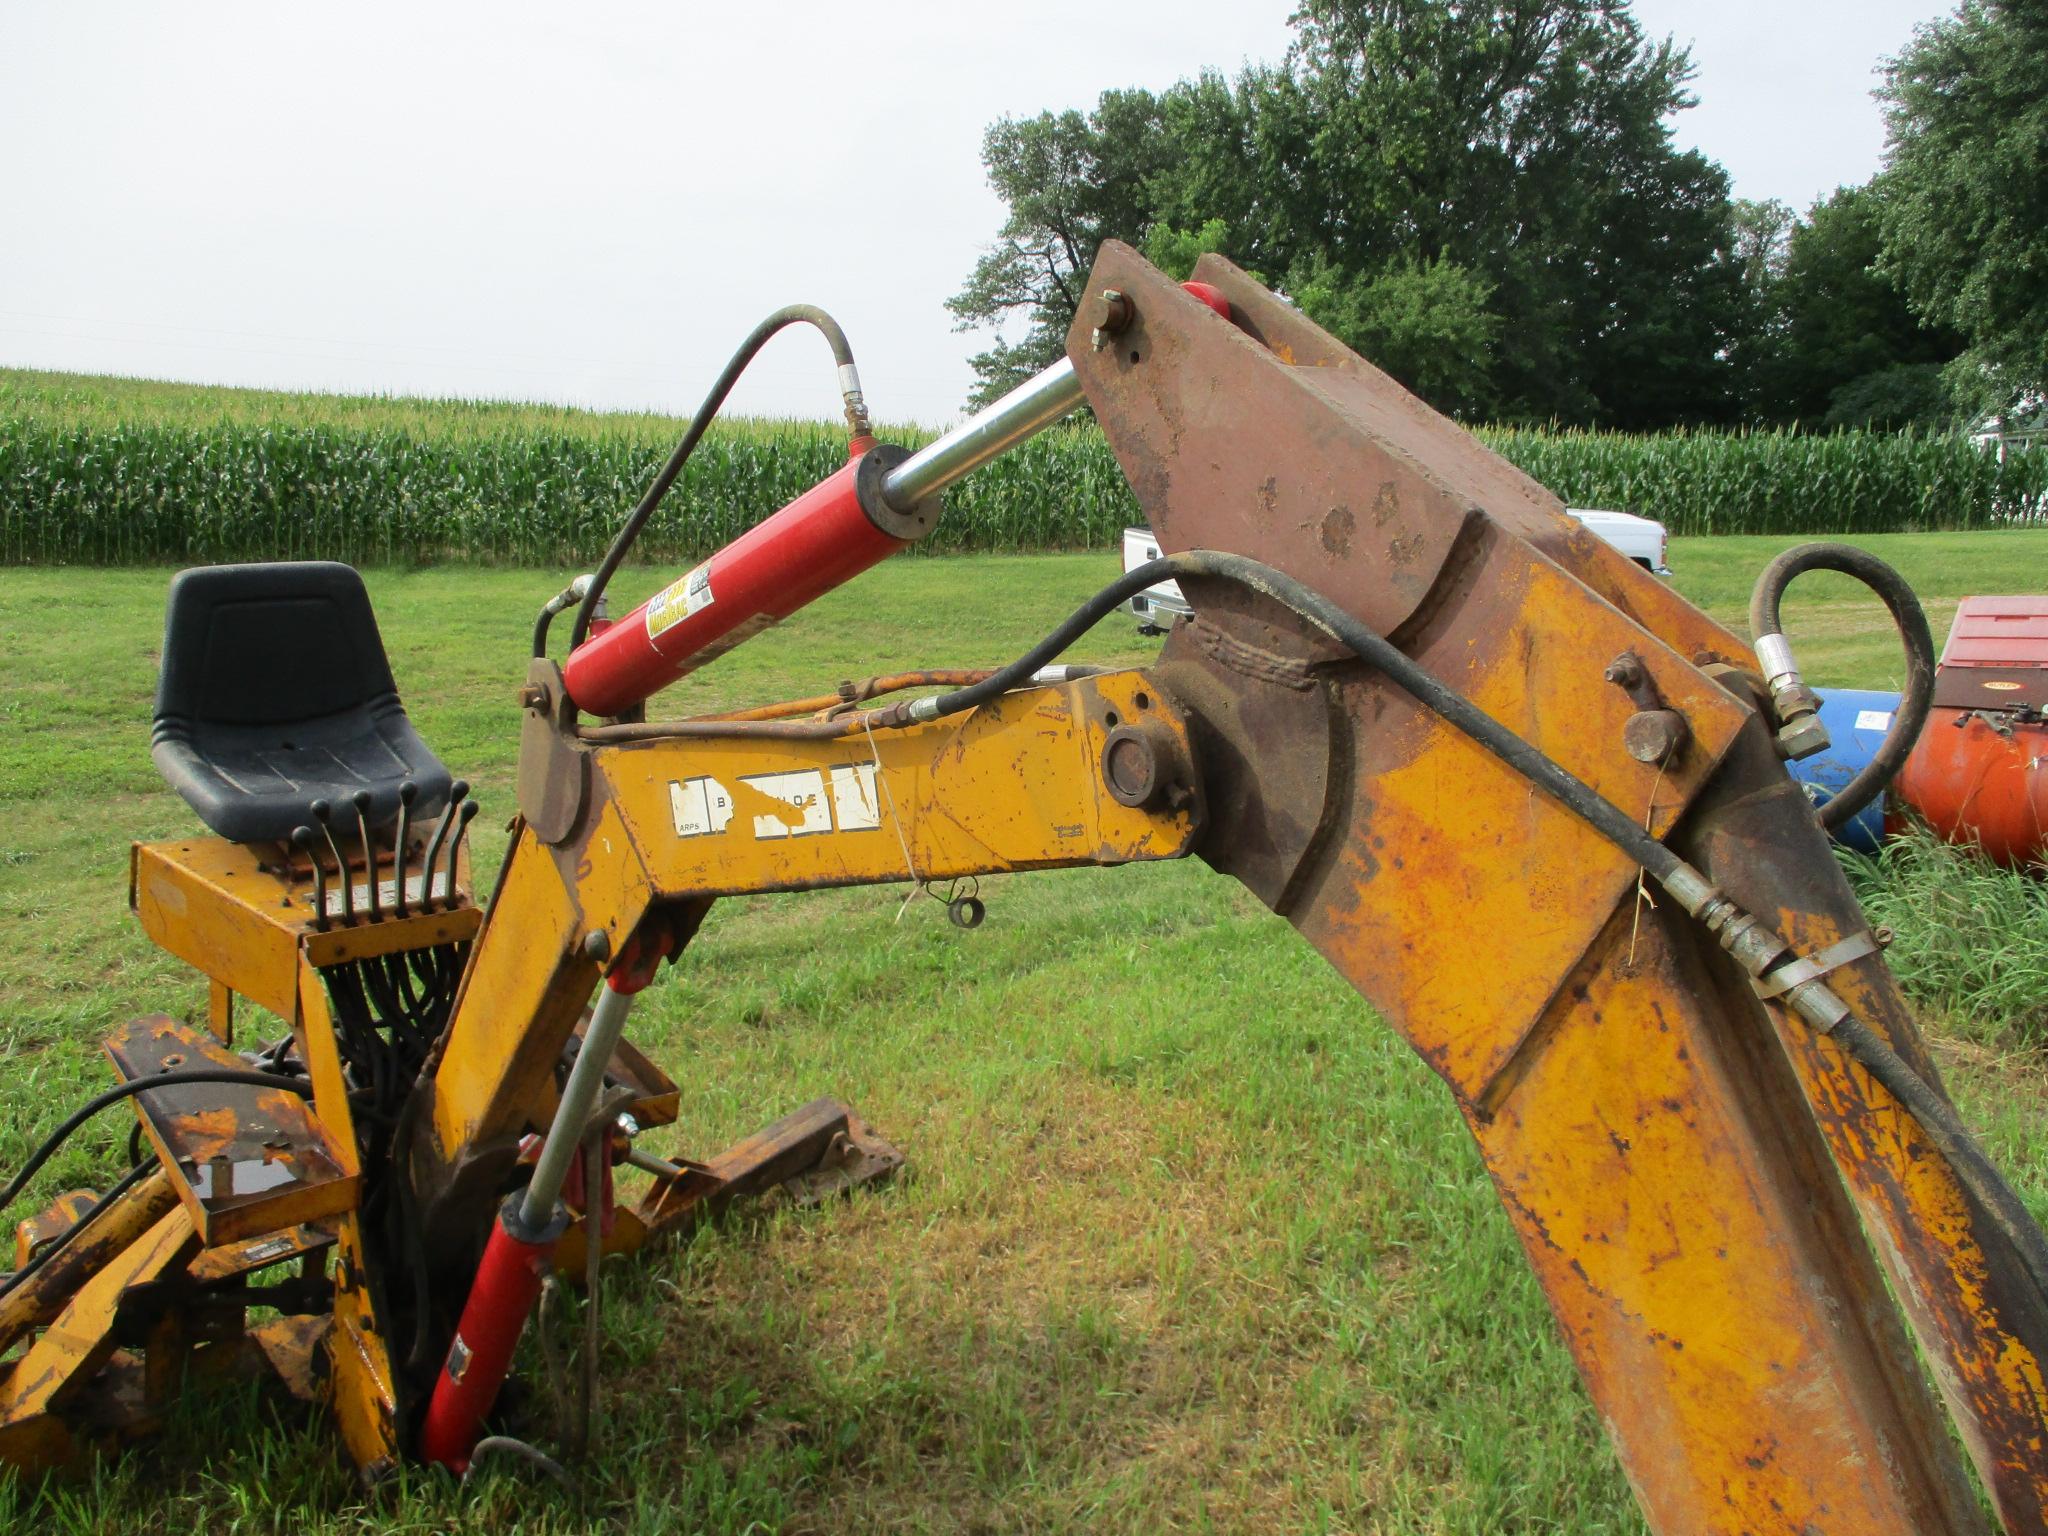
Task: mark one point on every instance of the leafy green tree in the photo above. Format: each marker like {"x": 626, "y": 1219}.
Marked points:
{"x": 1525, "y": 141}
{"x": 1965, "y": 206}
{"x": 1763, "y": 241}
{"x": 1071, "y": 182}
{"x": 1483, "y": 191}
{"x": 1894, "y": 397}
{"x": 1175, "y": 251}
{"x": 1426, "y": 323}
{"x": 1847, "y": 349}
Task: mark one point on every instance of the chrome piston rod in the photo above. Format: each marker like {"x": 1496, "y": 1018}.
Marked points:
{"x": 1026, "y": 410}
{"x": 572, "y": 1114}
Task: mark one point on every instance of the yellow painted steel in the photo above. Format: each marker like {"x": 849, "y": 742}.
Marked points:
{"x": 81, "y": 1338}
{"x": 1648, "y": 1139}
{"x": 360, "y": 1385}
{"x": 1692, "y": 1173}
{"x": 210, "y": 902}
{"x": 527, "y": 983}
{"x": 111, "y": 1230}
{"x": 246, "y": 922}
{"x": 235, "y": 917}
{"x": 1014, "y": 785}
{"x": 220, "y": 1011}
{"x": 299, "y": 1176}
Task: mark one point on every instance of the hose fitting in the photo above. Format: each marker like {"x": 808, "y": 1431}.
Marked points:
{"x": 1799, "y": 730}
{"x": 567, "y": 597}
{"x": 1795, "y": 706}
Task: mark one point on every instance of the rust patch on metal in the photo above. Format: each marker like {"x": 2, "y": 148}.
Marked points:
{"x": 1971, "y": 1304}
{"x": 246, "y": 1160}
{"x": 1247, "y": 659}
{"x": 1701, "y": 1263}
{"x": 1338, "y": 526}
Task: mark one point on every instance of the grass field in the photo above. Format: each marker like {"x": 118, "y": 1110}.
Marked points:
{"x": 1188, "y": 1241}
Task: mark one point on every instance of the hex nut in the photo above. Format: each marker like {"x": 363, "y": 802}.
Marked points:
{"x": 1801, "y": 737}
{"x": 1110, "y": 311}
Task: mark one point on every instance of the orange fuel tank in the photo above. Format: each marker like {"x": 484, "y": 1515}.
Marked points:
{"x": 1980, "y": 770}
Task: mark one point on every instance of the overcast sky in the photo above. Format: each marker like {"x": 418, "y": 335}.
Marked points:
{"x": 592, "y": 203}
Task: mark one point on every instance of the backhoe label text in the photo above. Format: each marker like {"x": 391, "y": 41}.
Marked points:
{"x": 802, "y": 803}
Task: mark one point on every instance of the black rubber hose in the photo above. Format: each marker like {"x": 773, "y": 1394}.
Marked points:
{"x": 1951, "y": 1138}
{"x": 1580, "y": 798}
{"x": 116, "y": 1094}
{"x": 794, "y": 314}
{"x": 62, "y": 1240}
{"x": 1911, "y": 622}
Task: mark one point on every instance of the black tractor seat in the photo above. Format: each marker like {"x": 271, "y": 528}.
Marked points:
{"x": 275, "y": 692}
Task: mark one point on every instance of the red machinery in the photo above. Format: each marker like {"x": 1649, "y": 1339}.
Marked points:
{"x": 880, "y": 502}
{"x": 1979, "y": 773}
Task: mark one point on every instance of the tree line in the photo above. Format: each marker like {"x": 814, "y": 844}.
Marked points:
{"x": 1484, "y": 197}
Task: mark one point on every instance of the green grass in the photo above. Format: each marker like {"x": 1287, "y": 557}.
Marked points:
{"x": 1188, "y": 1242}
{"x": 1972, "y": 939}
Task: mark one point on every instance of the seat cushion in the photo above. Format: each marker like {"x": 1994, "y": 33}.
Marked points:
{"x": 275, "y": 692}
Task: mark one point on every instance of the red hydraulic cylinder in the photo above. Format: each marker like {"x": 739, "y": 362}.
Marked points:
{"x": 508, "y": 1282}
{"x": 830, "y": 534}
{"x": 883, "y": 500}
{"x": 522, "y": 1245}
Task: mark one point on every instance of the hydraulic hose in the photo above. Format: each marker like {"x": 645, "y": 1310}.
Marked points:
{"x": 62, "y": 1240}
{"x": 856, "y": 424}
{"x": 120, "y": 1091}
{"x": 1775, "y": 653}
{"x": 554, "y": 605}
{"x": 1952, "y": 1139}
{"x": 1759, "y": 951}
{"x": 1614, "y": 824}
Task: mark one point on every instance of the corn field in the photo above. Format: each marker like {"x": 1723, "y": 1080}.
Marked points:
{"x": 1781, "y": 481}
{"x": 131, "y": 481}
{"x": 147, "y": 495}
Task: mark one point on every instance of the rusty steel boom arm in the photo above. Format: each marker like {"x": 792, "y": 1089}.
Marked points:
{"x": 1691, "y": 1168}
{"x": 1524, "y": 798}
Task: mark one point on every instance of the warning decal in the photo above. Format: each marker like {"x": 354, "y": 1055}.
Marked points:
{"x": 678, "y": 600}
{"x": 853, "y": 798}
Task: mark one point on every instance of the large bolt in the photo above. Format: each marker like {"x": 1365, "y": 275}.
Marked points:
{"x": 1131, "y": 766}
{"x": 1109, "y": 312}
{"x": 1654, "y": 735}
{"x": 1626, "y": 671}
{"x": 1801, "y": 737}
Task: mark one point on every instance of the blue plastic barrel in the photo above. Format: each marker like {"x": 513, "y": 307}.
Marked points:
{"x": 1856, "y": 719}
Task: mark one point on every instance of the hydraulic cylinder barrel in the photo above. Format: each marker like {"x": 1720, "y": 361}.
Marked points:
{"x": 882, "y": 501}
{"x": 830, "y": 534}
